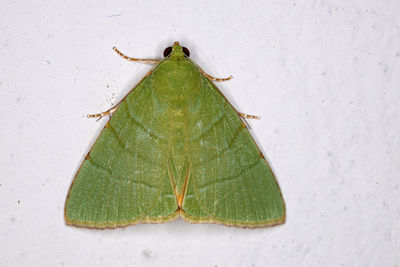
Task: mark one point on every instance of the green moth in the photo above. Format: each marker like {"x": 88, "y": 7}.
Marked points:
{"x": 174, "y": 147}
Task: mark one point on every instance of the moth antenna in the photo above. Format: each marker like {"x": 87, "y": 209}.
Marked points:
{"x": 211, "y": 78}
{"x": 216, "y": 79}
{"x": 151, "y": 61}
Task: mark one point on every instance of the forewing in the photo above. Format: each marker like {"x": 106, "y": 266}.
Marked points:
{"x": 124, "y": 179}
{"x": 230, "y": 182}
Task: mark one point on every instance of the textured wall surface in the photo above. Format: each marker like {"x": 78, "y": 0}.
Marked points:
{"x": 324, "y": 76}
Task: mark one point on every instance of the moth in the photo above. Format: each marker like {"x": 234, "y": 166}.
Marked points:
{"x": 174, "y": 147}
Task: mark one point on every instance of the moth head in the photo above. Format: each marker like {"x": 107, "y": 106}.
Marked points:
{"x": 176, "y": 49}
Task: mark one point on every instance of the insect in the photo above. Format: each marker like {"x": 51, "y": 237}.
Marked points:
{"x": 174, "y": 147}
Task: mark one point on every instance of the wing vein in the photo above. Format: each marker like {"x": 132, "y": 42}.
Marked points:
{"x": 209, "y": 128}
{"x": 230, "y": 177}
{"x": 125, "y": 148}
{"x": 92, "y": 161}
{"x": 148, "y": 131}
{"x": 226, "y": 148}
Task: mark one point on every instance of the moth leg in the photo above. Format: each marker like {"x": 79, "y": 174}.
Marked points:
{"x": 243, "y": 117}
{"x": 247, "y": 116}
{"x": 105, "y": 113}
{"x": 151, "y": 61}
{"x": 215, "y": 79}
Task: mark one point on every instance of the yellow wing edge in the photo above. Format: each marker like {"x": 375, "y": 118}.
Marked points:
{"x": 232, "y": 223}
{"x": 122, "y": 224}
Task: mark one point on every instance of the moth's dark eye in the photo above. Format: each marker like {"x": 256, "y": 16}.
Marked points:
{"x": 186, "y": 51}
{"x": 167, "y": 51}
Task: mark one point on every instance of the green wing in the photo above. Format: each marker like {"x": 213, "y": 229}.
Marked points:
{"x": 229, "y": 181}
{"x": 124, "y": 178}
